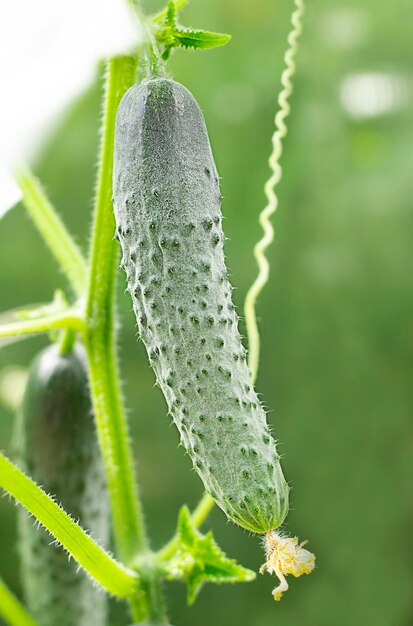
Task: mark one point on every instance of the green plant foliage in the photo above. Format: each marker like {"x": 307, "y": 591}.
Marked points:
{"x": 335, "y": 320}
{"x": 242, "y": 470}
{"x": 198, "y": 559}
{"x": 200, "y": 39}
{"x": 171, "y": 35}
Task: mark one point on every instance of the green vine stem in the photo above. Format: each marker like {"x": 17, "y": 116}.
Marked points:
{"x": 129, "y": 529}
{"x": 199, "y": 515}
{"x": 265, "y": 216}
{"x": 113, "y": 576}
{"x": 71, "y": 318}
{"x": 152, "y": 56}
{"x": 11, "y": 610}
{"x": 52, "y": 229}
{"x": 67, "y": 341}
{"x": 202, "y": 510}
{"x": 100, "y": 339}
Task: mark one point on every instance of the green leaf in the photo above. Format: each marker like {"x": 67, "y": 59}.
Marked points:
{"x": 171, "y": 35}
{"x": 198, "y": 559}
{"x": 199, "y": 39}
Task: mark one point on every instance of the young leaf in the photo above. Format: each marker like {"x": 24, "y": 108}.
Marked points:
{"x": 199, "y": 39}
{"x": 198, "y": 559}
{"x": 171, "y": 35}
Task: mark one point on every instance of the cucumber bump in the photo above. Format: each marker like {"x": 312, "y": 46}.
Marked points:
{"x": 167, "y": 205}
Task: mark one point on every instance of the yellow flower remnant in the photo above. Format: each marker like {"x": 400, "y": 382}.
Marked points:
{"x": 286, "y": 556}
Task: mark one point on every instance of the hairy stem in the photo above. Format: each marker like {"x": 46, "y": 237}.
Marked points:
{"x": 67, "y": 341}
{"x": 11, "y": 610}
{"x": 112, "y": 427}
{"x": 114, "y": 577}
{"x": 199, "y": 515}
{"x": 203, "y": 509}
{"x": 153, "y": 59}
{"x": 52, "y": 229}
{"x": 70, "y": 319}
{"x": 100, "y": 342}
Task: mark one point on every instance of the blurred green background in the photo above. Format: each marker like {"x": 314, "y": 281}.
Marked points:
{"x": 336, "y": 319}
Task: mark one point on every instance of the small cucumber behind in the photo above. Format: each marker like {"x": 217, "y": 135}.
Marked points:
{"x": 168, "y": 211}
{"x": 59, "y": 450}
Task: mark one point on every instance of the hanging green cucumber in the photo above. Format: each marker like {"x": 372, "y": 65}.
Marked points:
{"x": 58, "y": 448}
{"x": 168, "y": 211}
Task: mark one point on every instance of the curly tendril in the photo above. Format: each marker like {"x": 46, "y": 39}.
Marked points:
{"x": 265, "y": 216}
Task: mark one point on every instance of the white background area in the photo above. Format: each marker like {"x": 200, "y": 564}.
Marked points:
{"x": 48, "y": 55}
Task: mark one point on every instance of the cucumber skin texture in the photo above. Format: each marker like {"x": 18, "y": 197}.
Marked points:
{"x": 58, "y": 448}
{"x": 167, "y": 205}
